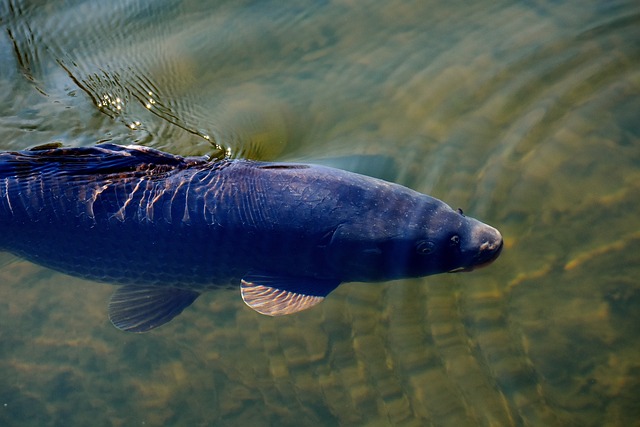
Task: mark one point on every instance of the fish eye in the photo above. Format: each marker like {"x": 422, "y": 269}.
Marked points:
{"x": 455, "y": 240}
{"x": 424, "y": 247}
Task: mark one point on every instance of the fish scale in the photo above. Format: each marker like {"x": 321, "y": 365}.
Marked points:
{"x": 168, "y": 228}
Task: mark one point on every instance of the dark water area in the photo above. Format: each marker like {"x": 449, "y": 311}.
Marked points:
{"x": 524, "y": 114}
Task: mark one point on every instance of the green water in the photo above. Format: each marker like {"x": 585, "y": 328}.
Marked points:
{"x": 524, "y": 114}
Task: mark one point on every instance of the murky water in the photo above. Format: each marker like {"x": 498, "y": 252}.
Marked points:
{"x": 525, "y": 114}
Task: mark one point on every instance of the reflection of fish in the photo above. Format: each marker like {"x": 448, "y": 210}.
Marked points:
{"x": 168, "y": 228}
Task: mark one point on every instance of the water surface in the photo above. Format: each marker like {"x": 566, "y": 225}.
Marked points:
{"x": 524, "y": 114}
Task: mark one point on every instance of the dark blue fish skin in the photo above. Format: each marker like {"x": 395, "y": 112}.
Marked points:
{"x": 137, "y": 216}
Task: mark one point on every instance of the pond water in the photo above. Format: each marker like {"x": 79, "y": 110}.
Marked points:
{"x": 524, "y": 114}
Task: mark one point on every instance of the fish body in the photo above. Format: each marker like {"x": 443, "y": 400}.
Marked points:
{"x": 168, "y": 228}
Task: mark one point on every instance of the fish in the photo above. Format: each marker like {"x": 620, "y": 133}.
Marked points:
{"x": 167, "y": 228}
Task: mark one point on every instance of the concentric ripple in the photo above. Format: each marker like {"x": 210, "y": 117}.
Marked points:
{"x": 525, "y": 115}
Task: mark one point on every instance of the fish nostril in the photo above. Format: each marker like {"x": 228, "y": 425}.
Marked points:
{"x": 491, "y": 245}
{"x": 487, "y": 245}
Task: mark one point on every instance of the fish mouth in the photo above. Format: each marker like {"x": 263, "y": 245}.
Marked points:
{"x": 493, "y": 255}
{"x": 488, "y": 252}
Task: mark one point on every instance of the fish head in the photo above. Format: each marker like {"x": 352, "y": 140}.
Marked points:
{"x": 408, "y": 240}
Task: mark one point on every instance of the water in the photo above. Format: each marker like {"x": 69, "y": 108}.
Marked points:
{"x": 524, "y": 114}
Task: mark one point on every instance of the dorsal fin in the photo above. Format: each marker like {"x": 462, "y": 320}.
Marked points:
{"x": 47, "y": 146}
{"x": 105, "y": 159}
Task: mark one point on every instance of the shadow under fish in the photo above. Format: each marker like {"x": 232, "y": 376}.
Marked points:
{"x": 168, "y": 228}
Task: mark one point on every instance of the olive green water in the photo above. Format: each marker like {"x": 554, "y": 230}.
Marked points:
{"x": 524, "y": 114}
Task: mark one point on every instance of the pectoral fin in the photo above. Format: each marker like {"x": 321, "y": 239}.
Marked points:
{"x": 277, "y": 296}
{"x": 142, "y": 308}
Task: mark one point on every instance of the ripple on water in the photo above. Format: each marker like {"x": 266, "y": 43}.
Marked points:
{"x": 524, "y": 115}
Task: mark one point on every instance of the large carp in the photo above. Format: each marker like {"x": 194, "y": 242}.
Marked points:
{"x": 168, "y": 228}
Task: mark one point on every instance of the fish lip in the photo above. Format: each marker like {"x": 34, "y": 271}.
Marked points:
{"x": 494, "y": 255}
